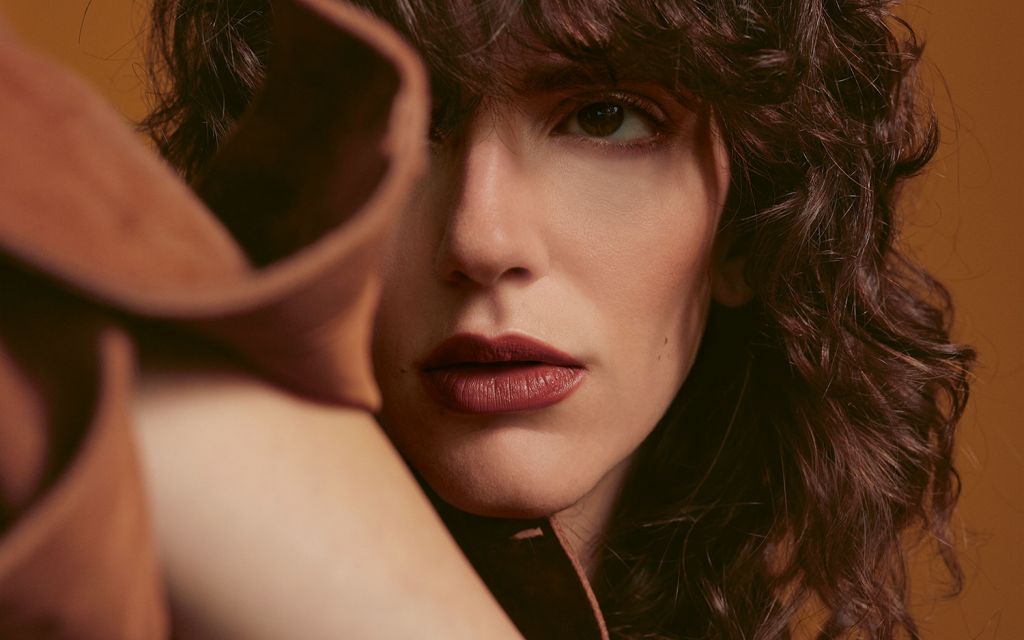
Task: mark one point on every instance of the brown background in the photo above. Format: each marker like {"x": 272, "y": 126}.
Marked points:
{"x": 967, "y": 224}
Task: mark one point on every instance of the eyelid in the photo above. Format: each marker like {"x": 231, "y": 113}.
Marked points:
{"x": 646, "y": 108}
{"x": 644, "y": 105}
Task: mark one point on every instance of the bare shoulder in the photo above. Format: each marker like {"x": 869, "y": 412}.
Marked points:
{"x": 282, "y": 517}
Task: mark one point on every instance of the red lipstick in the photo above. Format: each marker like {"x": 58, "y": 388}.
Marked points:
{"x": 472, "y": 374}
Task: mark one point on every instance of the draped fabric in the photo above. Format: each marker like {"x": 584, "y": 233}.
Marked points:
{"x": 271, "y": 261}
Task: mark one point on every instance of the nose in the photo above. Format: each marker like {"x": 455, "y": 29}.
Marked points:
{"x": 493, "y": 230}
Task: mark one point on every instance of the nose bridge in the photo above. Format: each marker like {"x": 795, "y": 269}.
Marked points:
{"x": 490, "y": 232}
{"x": 486, "y": 164}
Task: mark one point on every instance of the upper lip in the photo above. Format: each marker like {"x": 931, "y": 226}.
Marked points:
{"x": 474, "y": 349}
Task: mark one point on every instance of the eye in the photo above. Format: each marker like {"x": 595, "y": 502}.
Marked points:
{"x": 613, "y": 120}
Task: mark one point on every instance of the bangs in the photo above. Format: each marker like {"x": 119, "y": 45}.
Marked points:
{"x": 471, "y": 49}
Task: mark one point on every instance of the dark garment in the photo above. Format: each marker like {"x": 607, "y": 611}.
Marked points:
{"x": 532, "y": 572}
{"x": 98, "y": 239}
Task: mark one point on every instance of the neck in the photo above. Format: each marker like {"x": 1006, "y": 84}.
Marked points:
{"x": 586, "y": 522}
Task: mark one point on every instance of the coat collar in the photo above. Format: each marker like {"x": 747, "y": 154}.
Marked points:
{"x": 533, "y": 573}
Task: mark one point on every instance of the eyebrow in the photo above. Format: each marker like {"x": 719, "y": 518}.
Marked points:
{"x": 564, "y": 74}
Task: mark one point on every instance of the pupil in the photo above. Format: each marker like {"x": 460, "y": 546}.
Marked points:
{"x": 601, "y": 119}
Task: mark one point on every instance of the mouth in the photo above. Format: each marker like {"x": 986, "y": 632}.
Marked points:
{"x": 469, "y": 373}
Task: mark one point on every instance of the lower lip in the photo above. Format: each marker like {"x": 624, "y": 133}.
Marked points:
{"x": 502, "y": 389}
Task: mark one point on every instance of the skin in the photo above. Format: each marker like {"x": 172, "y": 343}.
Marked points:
{"x": 280, "y": 538}
{"x": 603, "y": 246}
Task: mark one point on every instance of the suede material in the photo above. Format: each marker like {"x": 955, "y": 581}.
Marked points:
{"x": 274, "y": 263}
{"x": 530, "y": 568}
{"x": 77, "y": 558}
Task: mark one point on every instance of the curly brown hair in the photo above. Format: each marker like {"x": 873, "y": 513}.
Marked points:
{"x": 816, "y": 429}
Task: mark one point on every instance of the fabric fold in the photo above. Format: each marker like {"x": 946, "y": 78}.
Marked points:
{"x": 309, "y": 182}
{"x": 95, "y": 231}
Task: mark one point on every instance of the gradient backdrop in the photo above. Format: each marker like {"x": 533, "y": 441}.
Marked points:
{"x": 966, "y": 224}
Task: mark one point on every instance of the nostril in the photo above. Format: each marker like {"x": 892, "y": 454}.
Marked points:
{"x": 458, "y": 277}
{"x": 480, "y": 278}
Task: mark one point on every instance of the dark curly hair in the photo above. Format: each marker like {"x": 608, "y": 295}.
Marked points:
{"x": 816, "y": 429}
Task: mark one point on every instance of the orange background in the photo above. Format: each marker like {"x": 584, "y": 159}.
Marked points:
{"x": 966, "y": 224}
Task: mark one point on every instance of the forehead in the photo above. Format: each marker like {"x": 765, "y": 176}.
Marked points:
{"x": 479, "y": 48}
{"x": 519, "y": 65}
{"x": 478, "y": 51}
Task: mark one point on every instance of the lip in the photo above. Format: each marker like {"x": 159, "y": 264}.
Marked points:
{"x": 470, "y": 373}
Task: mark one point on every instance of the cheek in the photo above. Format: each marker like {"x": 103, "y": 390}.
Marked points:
{"x": 406, "y": 277}
{"x": 637, "y": 239}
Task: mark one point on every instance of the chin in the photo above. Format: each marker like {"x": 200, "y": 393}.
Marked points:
{"x": 499, "y": 498}
{"x": 520, "y": 475}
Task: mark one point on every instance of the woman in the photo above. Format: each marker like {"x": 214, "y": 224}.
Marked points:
{"x": 626, "y": 196}
{"x": 647, "y": 315}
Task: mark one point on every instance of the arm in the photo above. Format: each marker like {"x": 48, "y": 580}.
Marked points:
{"x": 281, "y": 518}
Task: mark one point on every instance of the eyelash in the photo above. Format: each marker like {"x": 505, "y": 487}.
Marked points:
{"x": 439, "y": 136}
{"x": 650, "y": 112}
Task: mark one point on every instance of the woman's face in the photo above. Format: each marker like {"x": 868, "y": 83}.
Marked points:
{"x": 547, "y": 290}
